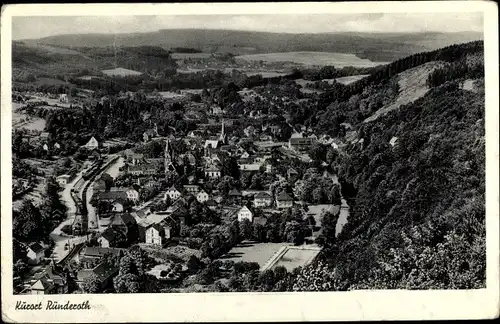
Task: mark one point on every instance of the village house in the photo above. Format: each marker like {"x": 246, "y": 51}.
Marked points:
{"x": 191, "y": 189}
{"x": 202, "y": 196}
{"x": 150, "y": 134}
{"x": 44, "y": 137}
{"x": 63, "y": 98}
{"x": 300, "y": 143}
{"x": 108, "y": 238}
{"x": 172, "y": 193}
{"x": 104, "y": 272}
{"x": 36, "y": 253}
{"x": 158, "y": 233}
{"x": 63, "y": 179}
{"x": 91, "y": 254}
{"x": 92, "y": 144}
{"x": 143, "y": 169}
{"x": 283, "y": 200}
{"x": 103, "y": 183}
{"x": 211, "y": 204}
{"x": 262, "y": 199}
{"x": 118, "y": 206}
{"x": 212, "y": 172}
{"x": 245, "y": 213}
{"x": 130, "y": 193}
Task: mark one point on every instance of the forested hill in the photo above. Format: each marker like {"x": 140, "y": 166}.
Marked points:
{"x": 383, "y": 47}
{"x": 414, "y": 178}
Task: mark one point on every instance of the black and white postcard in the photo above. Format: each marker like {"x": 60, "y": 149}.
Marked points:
{"x": 249, "y": 162}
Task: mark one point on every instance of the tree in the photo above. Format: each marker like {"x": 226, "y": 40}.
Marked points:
{"x": 246, "y": 229}
{"x": 194, "y": 263}
{"x": 91, "y": 284}
{"x": 328, "y": 230}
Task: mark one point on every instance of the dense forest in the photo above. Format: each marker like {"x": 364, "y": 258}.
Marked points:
{"x": 417, "y": 205}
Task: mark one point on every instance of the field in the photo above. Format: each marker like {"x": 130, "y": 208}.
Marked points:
{"x": 120, "y": 72}
{"x": 171, "y": 95}
{"x": 312, "y": 59}
{"x": 254, "y": 252}
{"x": 348, "y": 79}
{"x": 28, "y": 122}
{"x": 181, "y": 56}
{"x": 49, "y": 81}
{"x": 296, "y": 257}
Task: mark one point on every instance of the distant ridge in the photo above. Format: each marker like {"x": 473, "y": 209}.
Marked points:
{"x": 374, "y": 46}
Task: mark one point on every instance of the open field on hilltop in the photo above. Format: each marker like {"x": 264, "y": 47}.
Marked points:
{"x": 181, "y": 56}
{"x": 270, "y": 74}
{"x": 57, "y": 49}
{"x": 120, "y": 72}
{"x": 312, "y": 58}
{"x": 348, "y": 79}
{"x": 171, "y": 95}
{"x": 253, "y": 252}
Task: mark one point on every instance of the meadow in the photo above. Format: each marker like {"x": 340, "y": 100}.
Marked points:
{"x": 120, "y": 72}
{"x": 312, "y": 59}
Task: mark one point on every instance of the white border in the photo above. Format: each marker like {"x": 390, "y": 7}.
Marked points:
{"x": 306, "y": 306}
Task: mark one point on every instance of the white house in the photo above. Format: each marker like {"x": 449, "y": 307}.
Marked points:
{"x": 63, "y": 98}
{"x": 92, "y": 143}
{"x": 245, "y": 213}
{"x": 212, "y": 172}
{"x": 202, "y": 196}
{"x": 117, "y": 207}
{"x": 63, "y": 179}
{"x": 36, "y": 253}
{"x": 157, "y": 233}
{"x": 132, "y": 194}
{"x": 173, "y": 193}
{"x": 42, "y": 286}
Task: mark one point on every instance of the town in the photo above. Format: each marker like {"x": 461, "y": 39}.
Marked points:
{"x": 232, "y": 189}
{"x": 200, "y": 161}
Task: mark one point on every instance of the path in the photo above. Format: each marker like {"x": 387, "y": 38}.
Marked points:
{"x": 60, "y": 239}
{"x": 344, "y": 207}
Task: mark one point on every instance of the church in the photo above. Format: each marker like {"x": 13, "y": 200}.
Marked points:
{"x": 213, "y": 143}
{"x": 169, "y": 159}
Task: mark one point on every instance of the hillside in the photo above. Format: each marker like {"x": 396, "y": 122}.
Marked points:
{"x": 412, "y": 86}
{"x": 414, "y": 179}
{"x": 376, "y": 47}
{"x": 54, "y": 59}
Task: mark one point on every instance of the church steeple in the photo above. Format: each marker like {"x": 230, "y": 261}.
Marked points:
{"x": 222, "y": 137}
{"x": 169, "y": 165}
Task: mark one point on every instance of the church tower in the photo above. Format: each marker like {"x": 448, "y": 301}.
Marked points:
{"x": 222, "y": 137}
{"x": 169, "y": 165}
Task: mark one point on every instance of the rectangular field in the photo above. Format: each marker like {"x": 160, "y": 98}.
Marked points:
{"x": 296, "y": 257}
{"x": 253, "y": 252}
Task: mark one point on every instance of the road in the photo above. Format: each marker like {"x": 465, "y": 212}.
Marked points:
{"x": 112, "y": 168}
{"x": 344, "y": 207}
{"x": 57, "y": 235}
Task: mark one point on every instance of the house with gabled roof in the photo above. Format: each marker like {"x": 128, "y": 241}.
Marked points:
{"x": 172, "y": 193}
{"x": 283, "y": 200}
{"x": 36, "y": 253}
{"x": 92, "y": 144}
{"x": 202, "y": 196}
{"x": 262, "y": 199}
{"x": 245, "y": 213}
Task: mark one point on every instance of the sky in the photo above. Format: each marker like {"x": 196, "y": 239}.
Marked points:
{"x": 39, "y": 26}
